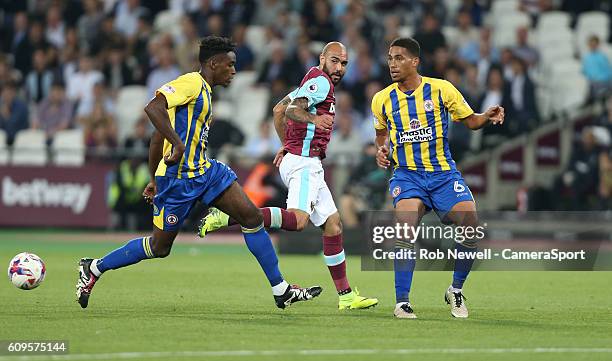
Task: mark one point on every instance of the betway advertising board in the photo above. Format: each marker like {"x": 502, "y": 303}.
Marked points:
{"x": 54, "y": 196}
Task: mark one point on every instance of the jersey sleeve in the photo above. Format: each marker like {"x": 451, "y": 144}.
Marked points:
{"x": 314, "y": 89}
{"x": 455, "y": 102}
{"x": 293, "y": 93}
{"x": 380, "y": 119}
{"x": 181, "y": 90}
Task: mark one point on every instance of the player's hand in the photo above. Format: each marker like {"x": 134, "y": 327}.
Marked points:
{"x": 382, "y": 157}
{"x": 325, "y": 122}
{"x": 496, "y": 114}
{"x": 279, "y": 157}
{"x": 149, "y": 192}
{"x": 175, "y": 154}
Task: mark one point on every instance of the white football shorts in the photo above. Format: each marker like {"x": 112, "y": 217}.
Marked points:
{"x": 307, "y": 188}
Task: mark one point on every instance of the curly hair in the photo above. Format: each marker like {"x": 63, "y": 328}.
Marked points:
{"x": 213, "y": 45}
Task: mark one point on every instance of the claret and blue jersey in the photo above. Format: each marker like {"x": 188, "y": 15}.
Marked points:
{"x": 304, "y": 139}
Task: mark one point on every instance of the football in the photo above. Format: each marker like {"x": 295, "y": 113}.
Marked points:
{"x": 26, "y": 271}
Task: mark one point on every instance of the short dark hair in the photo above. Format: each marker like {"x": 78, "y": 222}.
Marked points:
{"x": 409, "y": 44}
{"x": 213, "y": 45}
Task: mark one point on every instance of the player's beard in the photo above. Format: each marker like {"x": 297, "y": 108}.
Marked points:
{"x": 329, "y": 73}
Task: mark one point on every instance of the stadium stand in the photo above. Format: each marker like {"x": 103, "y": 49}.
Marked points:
{"x": 112, "y": 52}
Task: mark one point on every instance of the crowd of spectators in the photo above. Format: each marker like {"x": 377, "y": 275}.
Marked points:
{"x": 63, "y": 62}
{"x": 90, "y": 49}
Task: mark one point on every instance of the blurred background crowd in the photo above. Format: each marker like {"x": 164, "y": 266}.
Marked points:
{"x": 89, "y": 66}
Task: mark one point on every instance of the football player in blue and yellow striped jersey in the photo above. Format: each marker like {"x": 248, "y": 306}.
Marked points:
{"x": 181, "y": 175}
{"x": 412, "y": 116}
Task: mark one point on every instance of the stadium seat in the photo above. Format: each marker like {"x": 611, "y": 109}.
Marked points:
{"x": 565, "y": 67}
{"x": 506, "y": 26}
{"x": 452, "y": 6}
{"x": 500, "y": 8}
{"x": 223, "y": 109}
{"x": 68, "y": 148}
{"x": 167, "y": 21}
{"x": 242, "y": 80}
{"x": 252, "y": 111}
{"x": 554, "y": 52}
{"x": 591, "y": 23}
{"x": 30, "y": 148}
{"x": 130, "y": 104}
{"x": 4, "y": 151}
{"x": 571, "y": 93}
{"x": 255, "y": 38}
{"x": 406, "y": 31}
{"x": 554, "y": 20}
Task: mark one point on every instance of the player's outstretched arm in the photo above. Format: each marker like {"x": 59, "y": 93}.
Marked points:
{"x": 157, "y": 112}
{"x": 494, "y": 115}
{"x": 297, "y": 111}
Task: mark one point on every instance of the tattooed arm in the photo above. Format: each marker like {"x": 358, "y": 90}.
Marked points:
{"x": 280, "y": 123}
{"x": 297, "y": 111}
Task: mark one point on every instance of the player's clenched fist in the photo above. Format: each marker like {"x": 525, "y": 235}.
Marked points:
{"x": 279, "y": 157}
{"x": 382, "y": 157}
{"x": 324, "y": 121}
{"x": 175, "y": 154}
{"x": 495, "y": 114}
{"x": 149, "y": 192}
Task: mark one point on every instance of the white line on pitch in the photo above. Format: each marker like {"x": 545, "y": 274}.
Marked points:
{"x": 249, "y": 353}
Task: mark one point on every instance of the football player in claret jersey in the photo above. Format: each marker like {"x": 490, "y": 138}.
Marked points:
{"x": 413, "y": 115}
{"x": 181, "y": 113}
{"x": 303, "y": 121}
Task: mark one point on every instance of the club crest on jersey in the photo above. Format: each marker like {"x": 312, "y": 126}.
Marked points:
{"x": 171, "y": 219}
{"x": 169, "y": 88}
{"x": 313, "y": 88}
{"x": 396, "y": 191}
{"x": 415, "y": 124}
{"x": 428, "y": 105}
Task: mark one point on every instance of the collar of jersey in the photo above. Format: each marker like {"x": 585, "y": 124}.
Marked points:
{"x": 205, "y": 83}
{"x": 415, "y": 91}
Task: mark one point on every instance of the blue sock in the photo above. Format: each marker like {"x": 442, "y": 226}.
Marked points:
{"x": 132, "y": 252}
{"x": 260, "y": 245}
{"x": 404, "y": 269}
{"x": 462, "y": 266}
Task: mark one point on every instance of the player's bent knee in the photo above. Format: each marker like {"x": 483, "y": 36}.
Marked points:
{"x": 253, "y": 219}
{"x": 160, "y": 250}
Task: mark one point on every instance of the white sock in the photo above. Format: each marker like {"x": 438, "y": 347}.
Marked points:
{"x": 398, "y": 305}
{"x": 280, "y": 288}
{"x": 454, "y": 290}
{"x": 94, "y": 268}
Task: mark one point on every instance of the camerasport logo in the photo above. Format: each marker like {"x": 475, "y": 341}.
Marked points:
{"x": 41, "y": 193}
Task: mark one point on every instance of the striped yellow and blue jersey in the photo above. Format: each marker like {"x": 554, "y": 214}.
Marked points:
{"x": 189, "y": 109}
{"x": 418, "y": 123}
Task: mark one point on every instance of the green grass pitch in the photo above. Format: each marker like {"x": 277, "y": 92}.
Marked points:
{"x": 214, "y": 301}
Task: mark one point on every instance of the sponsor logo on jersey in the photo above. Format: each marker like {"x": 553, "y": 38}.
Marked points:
{"x": 415, "y": 124}
{"x": 416, "y": 136}
{"x": 428, "y": 105}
